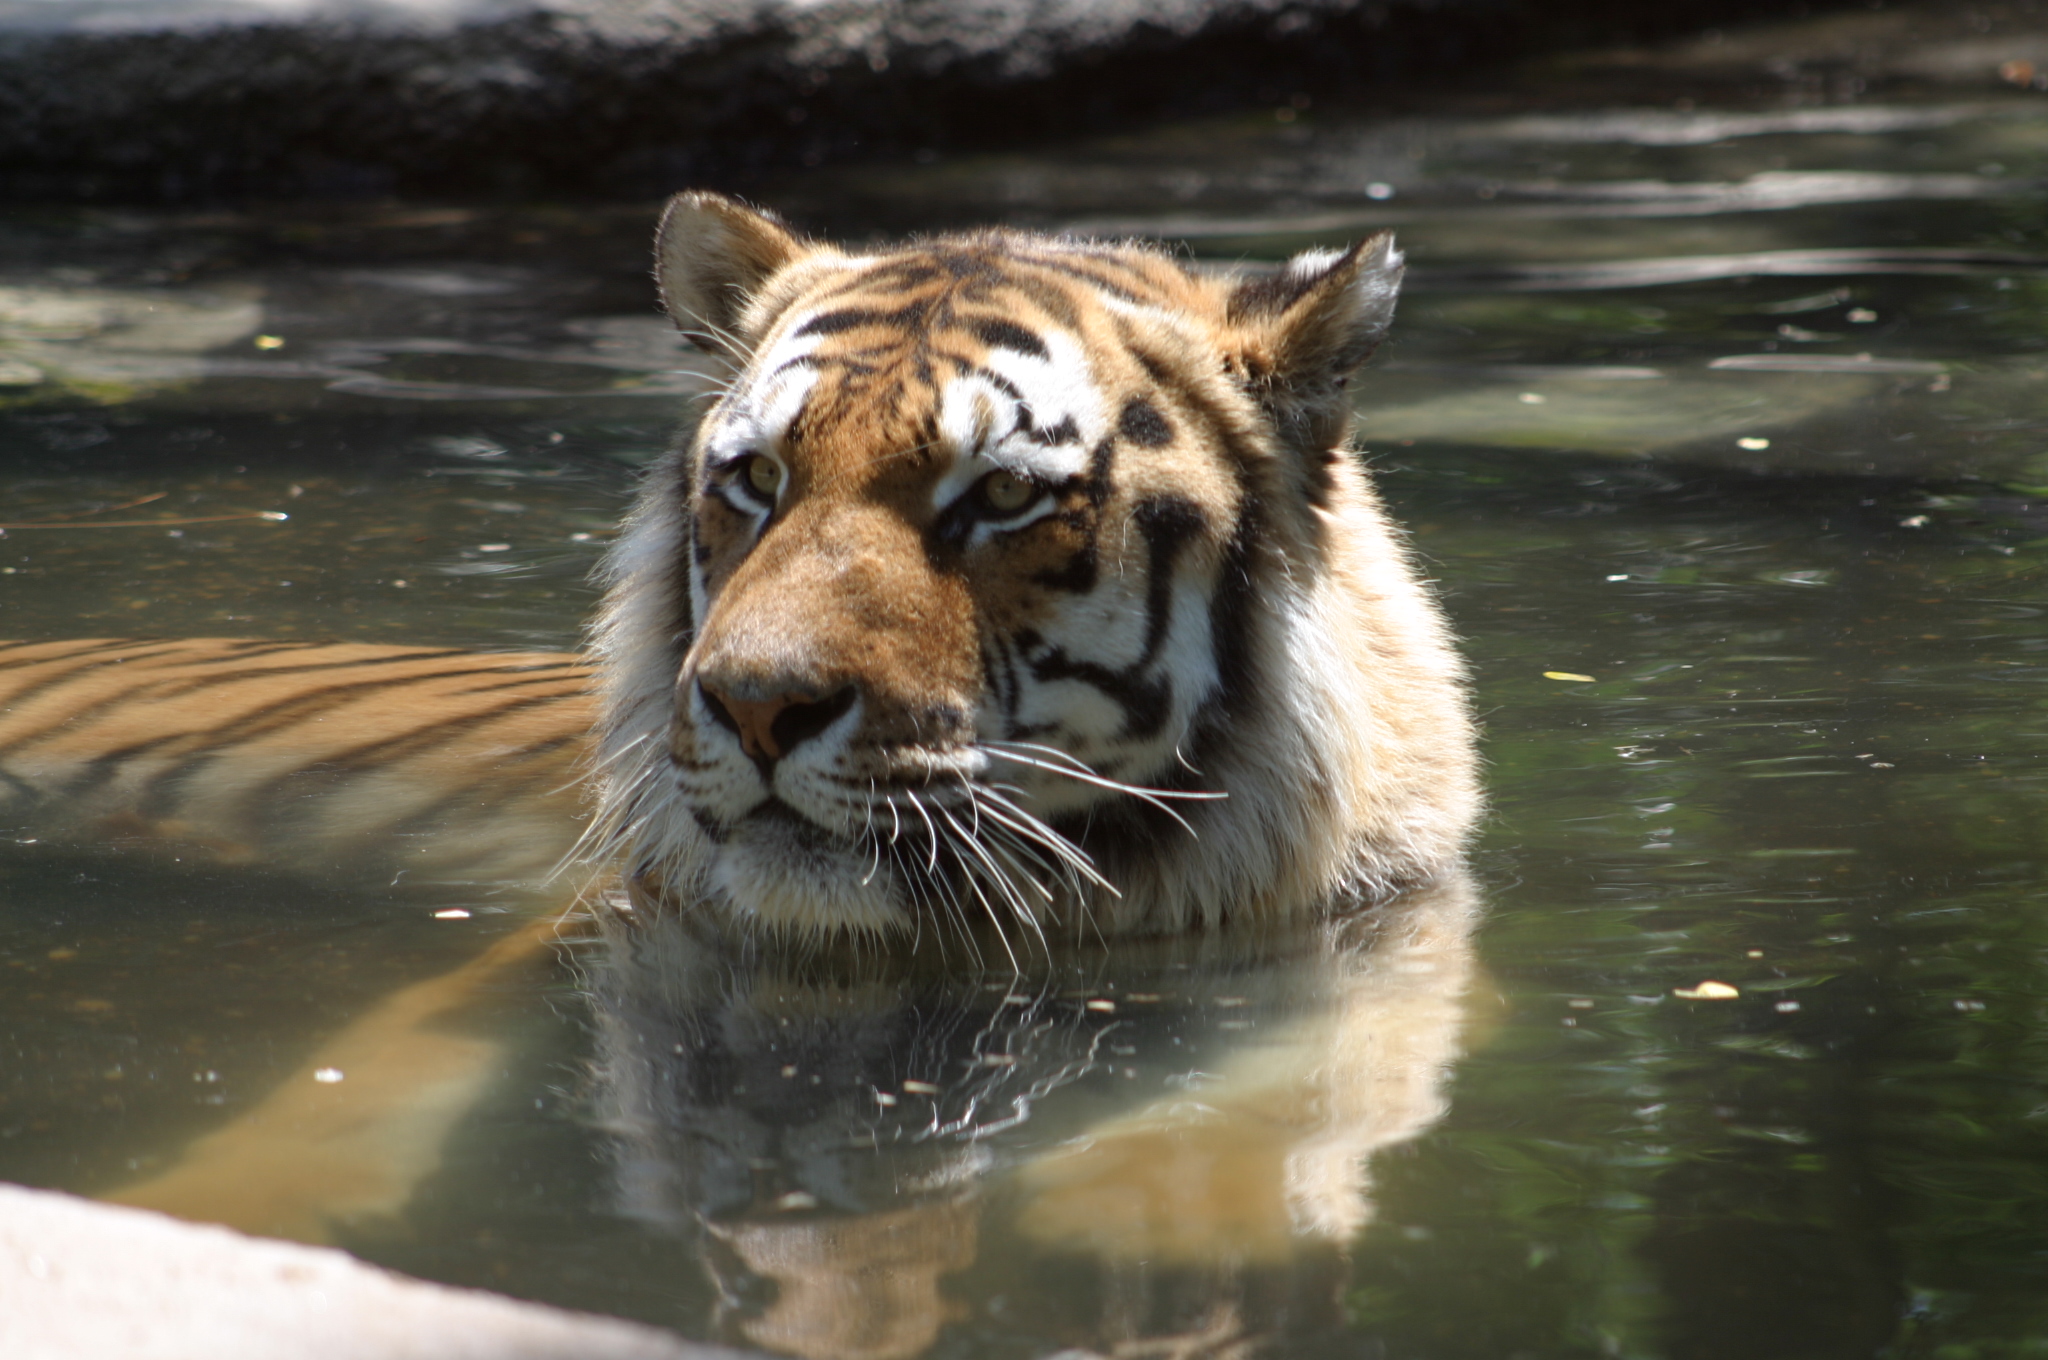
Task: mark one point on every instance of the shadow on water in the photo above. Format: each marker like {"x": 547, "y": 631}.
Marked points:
{"x": 1719, "y": 427}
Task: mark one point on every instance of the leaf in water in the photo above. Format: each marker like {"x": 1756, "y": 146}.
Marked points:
{"x": 1786, "y": 984}
{"x": 1769, "y": 1045}
{"x": 1796, "y": 1137}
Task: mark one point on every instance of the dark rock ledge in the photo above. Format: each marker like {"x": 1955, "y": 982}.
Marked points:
{"x": 184, "y": 99}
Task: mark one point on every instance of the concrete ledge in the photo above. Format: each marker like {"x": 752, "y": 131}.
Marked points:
{"x": 80, "y": 1280}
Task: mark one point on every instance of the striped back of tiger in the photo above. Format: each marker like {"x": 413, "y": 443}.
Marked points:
{"x": 434, "y": 761}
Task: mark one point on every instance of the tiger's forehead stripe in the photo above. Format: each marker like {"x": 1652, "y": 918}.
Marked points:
{"x": 994, "y": 273}
{"x": 957, "y": 354}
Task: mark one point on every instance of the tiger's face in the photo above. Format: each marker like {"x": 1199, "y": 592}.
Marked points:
{"x": 956, "y": 575}
{"x": 953, "y": 563}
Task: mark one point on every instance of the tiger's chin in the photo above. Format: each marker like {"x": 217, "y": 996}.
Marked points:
{"x": 780, "y": 871}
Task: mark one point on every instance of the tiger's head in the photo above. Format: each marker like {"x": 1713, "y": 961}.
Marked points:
{"x": 1019, "y": 578}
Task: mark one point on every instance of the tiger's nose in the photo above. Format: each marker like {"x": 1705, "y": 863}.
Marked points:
{"x": 771, "y": 728}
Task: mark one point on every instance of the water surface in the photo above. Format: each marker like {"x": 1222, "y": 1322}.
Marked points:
{"x": 1720, "y": 428}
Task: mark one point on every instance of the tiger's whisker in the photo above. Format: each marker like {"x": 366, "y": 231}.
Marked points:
{"x": 718, "y": 332}
{"x": 975, "y": 868}
{"x": 1076, "y": 769}
{"x": 974, "y": 884}
{"x": 1154, "y": 797}
{"x": 1031, "y": 829}
{"x": 1001, "y": 881}
{"x": 1030, "y": 919}
{"x": 918, "y": 804}
{"x": 1021, "y": 857}
{"x": 597, "y": 766}
{"x": 957, "y": 910}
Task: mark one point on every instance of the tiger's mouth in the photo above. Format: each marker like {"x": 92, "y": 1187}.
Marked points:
{"x": 958, "y": 849}
{"x": 833, "y": 833}
{"x": 777, "y": 818}
{"x": 925, "y": 821}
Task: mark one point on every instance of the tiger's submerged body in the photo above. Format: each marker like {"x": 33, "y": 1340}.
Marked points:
{"x": 433, "y": 760}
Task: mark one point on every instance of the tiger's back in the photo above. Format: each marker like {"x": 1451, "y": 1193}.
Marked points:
{"x": 436, "y": 761}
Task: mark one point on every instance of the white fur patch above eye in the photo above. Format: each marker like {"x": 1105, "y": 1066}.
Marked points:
{"x": 1060, "y": 384}
{"x": 1036, "y": 418}
{"x": 1007, "y": 450}
{"x": 753, "y": 420}
{"x": 768, "y": 407}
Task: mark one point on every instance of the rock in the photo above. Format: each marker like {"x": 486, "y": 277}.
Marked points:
{"x": 173, "y": 99}
{"x": 83, "y": 1279}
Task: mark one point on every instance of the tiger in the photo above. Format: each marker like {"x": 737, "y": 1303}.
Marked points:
{"x": 1008, "y": 576}
{"x": 1019, "y": 579}
{"x": 1011, "y": 587}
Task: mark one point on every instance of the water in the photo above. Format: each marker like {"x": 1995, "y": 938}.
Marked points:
{"x": 1631, "y": 421}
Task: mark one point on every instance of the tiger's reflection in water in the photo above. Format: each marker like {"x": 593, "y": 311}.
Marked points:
{"x": 1144, "y": 1141}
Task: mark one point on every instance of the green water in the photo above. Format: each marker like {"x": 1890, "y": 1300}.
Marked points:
{"x": 1806, "y": 586}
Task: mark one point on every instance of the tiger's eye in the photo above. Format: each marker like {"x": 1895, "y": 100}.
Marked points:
{"x": 764, "y": 476}
{"x": 1006, "y": 493}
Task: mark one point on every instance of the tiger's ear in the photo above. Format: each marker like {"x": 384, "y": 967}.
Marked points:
{"x": 711, "y": 256}
{"x": 1304, "y": 329}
